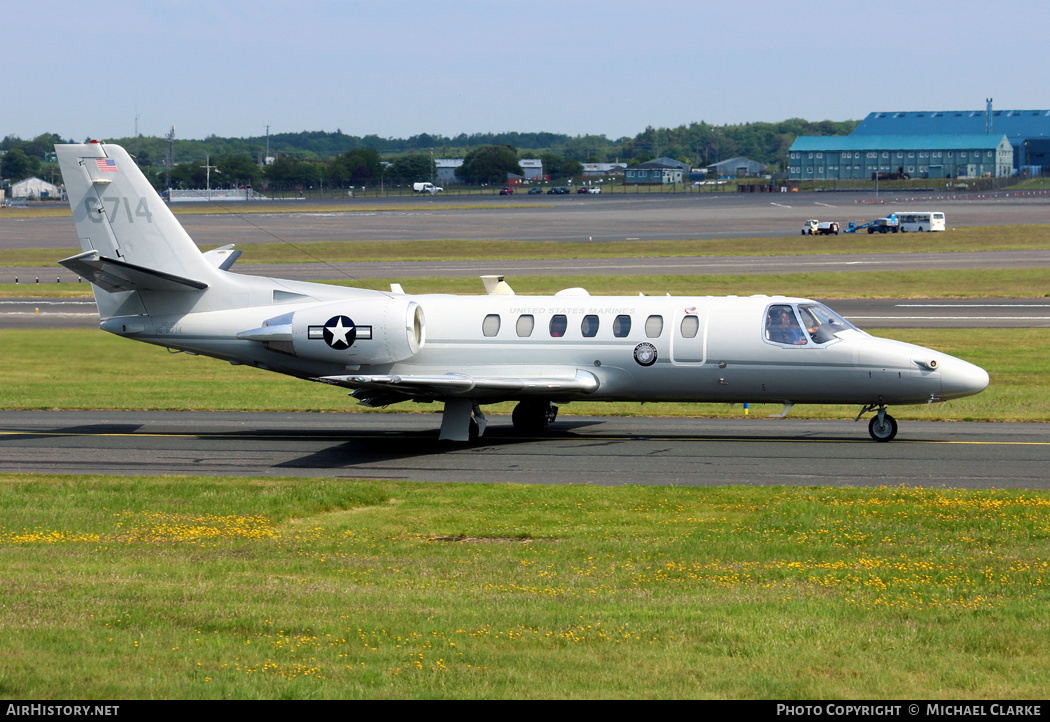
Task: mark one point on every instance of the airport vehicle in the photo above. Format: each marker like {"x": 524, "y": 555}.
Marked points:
{"x": 152, "y": 284}
{"x": 888, "y": 224}
{"x": 920, "y": 221}
{"x": 426, "y": 188}
{"x": 823, "y": 228}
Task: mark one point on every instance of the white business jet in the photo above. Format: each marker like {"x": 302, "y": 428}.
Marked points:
{"x": 152, "y": 284}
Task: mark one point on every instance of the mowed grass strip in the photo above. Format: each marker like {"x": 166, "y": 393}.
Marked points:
{"x": 96, "y": 370}
{"x": 973, "y": 238}
{"x": 207, "y": 588}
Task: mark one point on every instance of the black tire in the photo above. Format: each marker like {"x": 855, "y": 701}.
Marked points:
{"x": 885, "y": 431}
{"x": 531, "y": 417}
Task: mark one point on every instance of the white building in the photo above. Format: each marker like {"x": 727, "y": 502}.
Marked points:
{"x": 35, "y": 188}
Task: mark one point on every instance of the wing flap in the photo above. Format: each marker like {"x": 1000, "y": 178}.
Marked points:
{"x": 461, "y": 384}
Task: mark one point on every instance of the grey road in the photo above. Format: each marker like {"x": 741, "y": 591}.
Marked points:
{"x": 589, "y": 450}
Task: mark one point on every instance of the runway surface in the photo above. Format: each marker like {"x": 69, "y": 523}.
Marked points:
{"x": 579, "y": 450}
{"x": 558, "y": 218}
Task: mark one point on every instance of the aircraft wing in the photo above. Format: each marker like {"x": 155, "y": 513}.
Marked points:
{"x": 380, "y": 390}
{"x": 113, "y": 275}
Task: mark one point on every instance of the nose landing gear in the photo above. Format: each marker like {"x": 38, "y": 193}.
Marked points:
{"x": 882, "y": 426}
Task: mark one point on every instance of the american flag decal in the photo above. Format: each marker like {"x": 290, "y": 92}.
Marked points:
{"x": 106, "y": 165}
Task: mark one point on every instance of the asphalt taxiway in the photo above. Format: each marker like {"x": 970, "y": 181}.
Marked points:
{"x": 570, "y": 219}
{"x": 578, "y": 450}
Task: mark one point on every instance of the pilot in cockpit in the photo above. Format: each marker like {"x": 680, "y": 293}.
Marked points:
{"x": 782, "y": 327}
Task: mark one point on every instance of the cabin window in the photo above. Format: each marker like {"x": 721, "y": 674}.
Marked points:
{"x": 589, "y": 326}
{"x": 490, "y": 326}
{"x": 621, "y": 326}
{"x": 654, "y": 326}
{"x": 525, "y": 325}
{"x": 782, "y": 326}
{"x": 690, "y": 325}
{"x": 558, "y": 325}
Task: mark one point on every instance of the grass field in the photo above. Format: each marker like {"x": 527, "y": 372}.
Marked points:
{"x": 210, "y": 588}
{"x": 92, "y": 364}
{"x": 283, "y": 588}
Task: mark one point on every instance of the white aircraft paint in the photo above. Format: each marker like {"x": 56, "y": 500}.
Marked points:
{"x": 152, "y": 284}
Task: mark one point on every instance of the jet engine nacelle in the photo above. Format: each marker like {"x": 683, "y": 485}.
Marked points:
{"x": 363, "y": 331}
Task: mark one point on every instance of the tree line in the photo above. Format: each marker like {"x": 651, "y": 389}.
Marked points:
{"x": 334, "y": 159}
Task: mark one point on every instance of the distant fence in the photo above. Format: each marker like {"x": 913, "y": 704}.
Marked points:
{"x": 215, "y": 194}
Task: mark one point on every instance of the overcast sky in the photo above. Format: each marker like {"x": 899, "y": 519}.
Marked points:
{"x": 400, "y": 68}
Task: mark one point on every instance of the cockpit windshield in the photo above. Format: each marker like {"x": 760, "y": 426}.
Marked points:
{"x": 819, "y": 324}
{"x": 822, "y": 323}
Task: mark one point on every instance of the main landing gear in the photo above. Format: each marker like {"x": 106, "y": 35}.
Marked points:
{"x": 882, "y": 426}
{"x": 532, "y": 416}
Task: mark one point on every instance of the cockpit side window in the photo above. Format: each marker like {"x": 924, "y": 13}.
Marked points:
{"x": 782, "y": 326}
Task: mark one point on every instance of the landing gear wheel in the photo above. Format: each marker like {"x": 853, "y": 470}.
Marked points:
{"x": 882, "y": 427}
{"x": 532, "y": 417}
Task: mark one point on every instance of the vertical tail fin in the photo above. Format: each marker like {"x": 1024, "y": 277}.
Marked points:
{"x": 119, "y": 215}
{"x": 130, "y": 240}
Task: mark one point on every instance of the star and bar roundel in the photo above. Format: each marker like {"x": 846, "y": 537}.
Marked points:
{"x": 340, "y": 332}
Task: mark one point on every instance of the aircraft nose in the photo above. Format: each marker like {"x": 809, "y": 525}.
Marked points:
{"x": 960, "y": 378}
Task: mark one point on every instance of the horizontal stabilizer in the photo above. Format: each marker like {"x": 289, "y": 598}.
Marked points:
{"x": 113, "y": 275}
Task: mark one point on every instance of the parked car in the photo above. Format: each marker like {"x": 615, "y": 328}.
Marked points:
{"x": 582, "y": 189}
{"x": 558, "y": 191}
{"x": 507, "y": 192}
{"x": 594, "y": 189}
{"x": 535, "y": 191}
